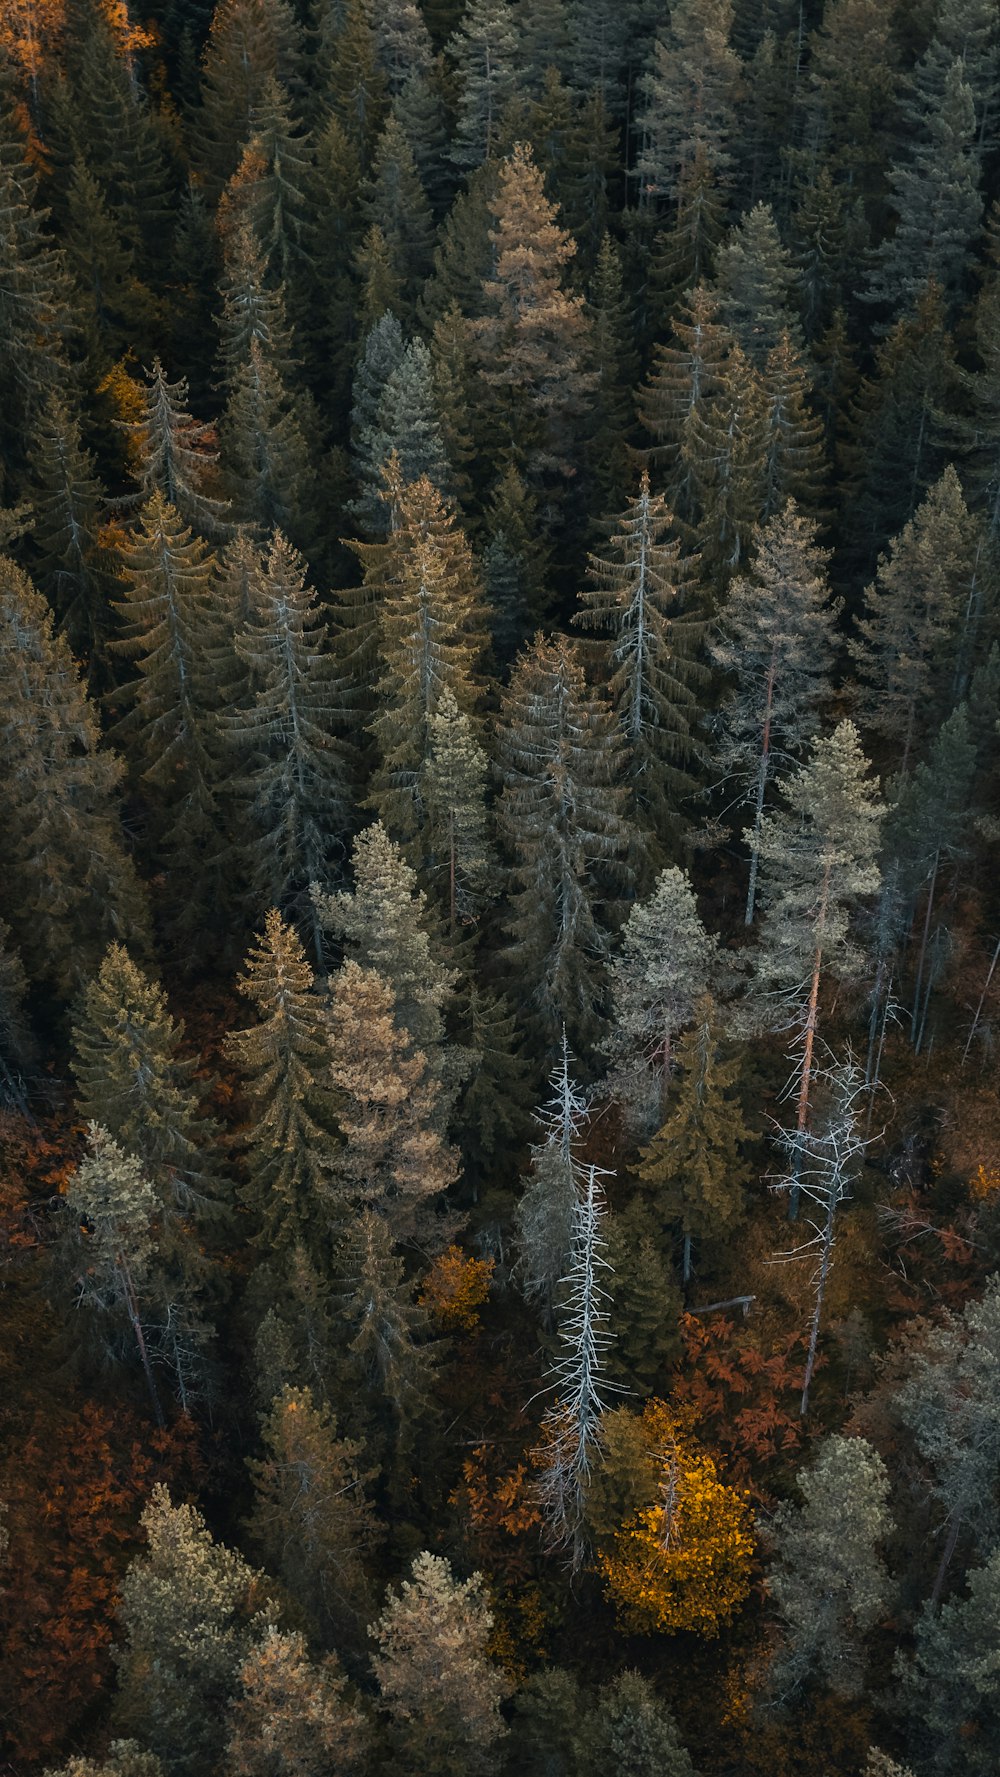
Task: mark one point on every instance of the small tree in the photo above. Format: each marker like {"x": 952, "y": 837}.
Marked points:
{"x": 828, "y": 1577}
{"x": 293, "y": 1717}
{"x": 438, "y": 1687}
{"x": 950, "y": 1687}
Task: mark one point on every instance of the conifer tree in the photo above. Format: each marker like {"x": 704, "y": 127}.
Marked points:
{"x": 648, "y": 1301}
{"x": 459, "y": 853}
{"x": 190, "y": 1613}
{"x": 755, "y": 277}
{"x": 635, "y": 1732}
{"x": 253, "y": 307}
{"x": 533, "y": 336}
{"x": 72, "y": 566}
{"x": 176, "y": 456}
{"x": 544, "y": 1215}
{"x": 311, "y": 1521}
{"x": 294, "y": 764}
{"x": 112, "y": 306}
{"x": 691, "y": 90}
{"x": 613, "y": 354}
{"x": 269, "y": 473}
{"x": 403, "y": 41}
{"x": 965, "y": 30}
{"x": 683, "y": 253}
{"x": 274, "y": 185}
{"x": 561, "y": 815}
{"x": 250, "y": 42}
{"x": 132, "y": 1080}
{"x": 775, "y": 641}
{"x": 514, "y": 564}
{"x": 693, "y": 1168}
{"x": 666, "y": 963}
{"x": 406, "y": 424}
{"x": 393, "y": 199}
{"x": 725, "y": 451}
{"x": 16, "y": 1045}
{"x": 292, "y": 1717}
{"x": 290, "y": 1141}
{"x": 67, "y": 885}
{"x": 395, "y": 1157}
{"x": 35, "y": 316}
{"x": 381, "y": 353}
{"x": 685, "y": 373}
{"x": 907, "y": 654}
{"x": 333, "y": 238}
{"x": 819, "y": 859}
{"x": 484, "y": 52}
{"x": 120, "y": 138}
{"x": 828, "y": 1578}
{"x": 437, "y": 1684}
{"x": 384, "y": 1367}
{"x": 419, "y": 107}
{"x": 932, "y": 825}
{"x": 795, "y": 467}
{"x": 949, "y": 1687}
{"x": 493, "y": 1106}
{"x": 353, "y": 78}
{"x": 642, "y": 592}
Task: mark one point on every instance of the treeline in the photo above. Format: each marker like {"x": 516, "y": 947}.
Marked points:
{"x": 500, "y": 683}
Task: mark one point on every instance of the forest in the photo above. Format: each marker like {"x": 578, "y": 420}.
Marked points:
{"x": 499, "y": 888}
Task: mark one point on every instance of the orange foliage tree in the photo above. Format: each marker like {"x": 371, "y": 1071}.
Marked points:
{"x": 683, "y": 1559}
{"x": 744, "y": 1400}
{"x": 455, "y": 1289}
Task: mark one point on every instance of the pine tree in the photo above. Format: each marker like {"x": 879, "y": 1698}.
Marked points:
{"x": 949, "y": 1687}
{"x": 430, "y": 637}
{"x": 685, "y": 374}
{"x": 754, "y": 283}
{"x": 176, "y": 455}
{"x": 514, "y": 564}
{"x": 295, "y": 766}
{"x": 384, "y": 1367}
{"x": 819, "y": 859}
{"x": 533, "y": 337}
{"x": 484, "y": 52}
{"x": 269, "y": 473}
{"x": 419, "y": 107}
{"x": 437, "y": 1684}
{"x": 132, "y": 1080}
{"x": 406, "y": 424}
{"x": 253, "y": 307}
{"x": 396, "y": 1159}
{"x": 612, "y": 346}
{"x": 725, "y": 450}
{"x": 354, "y": 82}
{"x": 393, "y": 199}
{"x": 642, "y": 591}
{"x": 571, "y": 1429}
{"x": 561, "y": 815}
{"x": 112, "y": 306}
{"x": 35, "y": 297}
{"x": 964, "y": 30}
{"x": 292, "y": 1717}
{"x": 334, "y": 230}
{"x": 290, "y": 1141}
{"x": 693, "y": 1167}
{"x": 907, "y": 654}
{"x": 311, "y": 1522}
{"x": 775, "y": 640}
{"x": 828, "y": 1579}
{"x": 120, "y": 138}
{"x": 666, "y": 963}
{"x": 937, "y": 202}
{"x": 795, "y": 467}
{"x": 635, "y": 1733}
{"x": 68, "y": 885}
{"x": 190, "y": 1613}
{"x": 72, "y": 565}
{"x": 648, "y": 1302}
{"x": 691, "y": 89}
{"x": 453, "y": 793}
{"x": 249, "y": 43}
{"x": 276, "y": 181}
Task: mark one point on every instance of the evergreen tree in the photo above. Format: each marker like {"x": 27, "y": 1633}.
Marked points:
{"x": 965, "y": 30}
{"x": 393, "y": 199}
{"x": 635, "y": 1733}
{"x": 795, "y": 467}
{"x": 175, "y": 455}
{"x": 666, "y": 963}
{"x": 493, "y": 1107}
{"x": 950, "y": 1688}
{"x": 269, "y": 474}
{"x": 533, "y": 337}
{"x": 294, "y": 764}
{"x": 35, "y": 316}
{"x": 691, "y": 90}
{"x": 72, "y": 564}
{"x": 907, "y": 654}
{"x": 819, "y": 858}
{"x": 828, "y": 1579}
{"x": 437, "y": 1685}
{"x": 311, "y": 1521}
{"x": 755, "y": 277}
{"x": 249, "y": 43}
{"x": 614, "y": 357}
{"x": 648, "y": 1301}
{"x": 190, "y": 1613}
{"x": 685, "y": 373}
{"x": 453, "y": 792}
{"x": 642, "y": 592}
{"x": 693, "y": 1167}
{"x": 514, "y": 564}
{"x": 543, "y": 1219}
{"x": 484, "y": 52}
{"x": 775, "y": 640}
{"x": 561, "y": 815}
{"x": 16, "y": 1045}
{"x": 292, "y": 1717}
{"x": 725, "y": 450}
{"x": 120, "y": 138}
{"x": 112, "y": 306}
{"x": 282, "y": 1059}
{"x": 68, "y": 885}
{"x": 124, "y": 1758}
{"x": 406, "y": 425}
{"x": 354, "y": 82}
{"x": 384, "y": 1367}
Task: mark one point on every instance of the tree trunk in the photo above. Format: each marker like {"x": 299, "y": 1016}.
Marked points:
{"x": 824, "y": 1272}
{"x": 765, "y": 758}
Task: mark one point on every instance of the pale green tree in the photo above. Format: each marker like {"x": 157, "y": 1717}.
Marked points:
{"x": 950, "y": 1688}
{"x": 293, "y": 1716}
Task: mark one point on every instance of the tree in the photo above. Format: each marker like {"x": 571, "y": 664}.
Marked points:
{"x": 406, "y": 424}
{"x": 68, "y": 885}
{"x": 666, "y": 963}
{"x": 484, "y": 51}
{"x": 571, "y": 1428}
{"x": 819, "y": 859}
{"x": 124, "y": 1758}
{"x": 72, "y": 564}
{"x": 679, "y": 1556}
{"x": 907, "y": 652}
{"x": 950, "y": 1686}
{"x": 437, "y": 1685}
{"x": 561, "y": 814}
{"x": 775, "y": 640}
{"x": 249, "y": 43}
{"x": 175, "y": 455}
{"x": 268, "y": 467}
{"x": 293, "y": 1717}
{"x": 311, "y": 1521}
{"x": 460, "y": 855}
{"x": 191, "y": 1610}
{"x": 935, "y": 194}
{"x": 132, "y": 1081}
{"x": 35, "y": 315}
{"x": 543, "y": 1219}
{"x": 755, "y": 277}
{"x": 694, "y": 1168}
{"x": 532, "y": 338}
{"x": 294, "y": 766}
{"x": 725, "y": 450}
{"x": 691, "y": 89}
{"x": 828, "y": 1578}
{"x": 395, "y": 1157}
{"x": 393, "y": 199}
{"x": 635, "y": 1734}
{"x": 795, "y": 468}
{"x": 685, "y": 373}
{"x": 290, "y": 1141}
{"x": 17, "y": 1049}
{"x": 642, "y": 592}
{"x": 384, "y": 1366}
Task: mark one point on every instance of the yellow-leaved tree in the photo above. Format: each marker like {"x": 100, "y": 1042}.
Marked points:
{"x": 675, "y": 1545}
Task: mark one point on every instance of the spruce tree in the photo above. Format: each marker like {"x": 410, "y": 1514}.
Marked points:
{"x": 693, "y": 1168}
{"x": 68, "y": 885}
{"x": 795, "y": 467}
{"x": 292, "y": 1717}
{"x": 642, "y": 591}
{"x": 949, "y": 1686}
{"x": 453, "y": 792}
{"x": 175, "y": 455}
{"x": 755, "y": 277}
{"x": 293, "y": 763}
{"x": 250, "y": 42}
{"x": 484, "y": 53}
{"x": 685, "y": 374}
{"x": 775, "y": 641}
{"x": 16, "y": 1044}
{"x": 725, "y": 450}
{"x": 393, "y": 199}
{"x": 635, "y": 1733}
{"x": 690, "y": 90}
{"x": 121, "y": 139}
{"x": 561, "y": 814}
{"x": 35, "y": 316}
{"x": 405, "y": 424}
{"x": 290, "y": 1141}
{"x": 384, "y": 1366}
{"x": 351, "y": 75}
{"x": 268, "y": 469}
{"x": 71, "y": 562}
